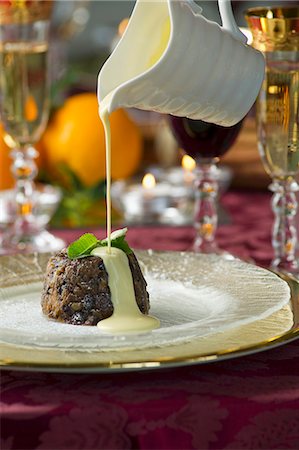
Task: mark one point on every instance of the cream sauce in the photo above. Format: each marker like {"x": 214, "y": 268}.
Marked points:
{"x": 126, "y": 316}
{"x": 164, "y": 38}
{"x": 104, "y": 115}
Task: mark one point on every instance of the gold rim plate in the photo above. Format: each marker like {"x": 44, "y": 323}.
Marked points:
{"x": 278, "y": 328}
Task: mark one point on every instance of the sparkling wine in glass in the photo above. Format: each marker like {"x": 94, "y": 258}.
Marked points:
{"x": 205, "y": 142}
{"x": 24, "y": 110}
{"x": 24, "y": 90}
{"x": 278, "y": 123}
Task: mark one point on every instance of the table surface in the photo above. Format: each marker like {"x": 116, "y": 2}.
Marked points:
{"x": 247, "y": 403}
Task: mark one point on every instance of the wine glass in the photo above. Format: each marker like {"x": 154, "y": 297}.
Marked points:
{"x": 205, "y": 142}
{"x": 24, "y": 109}
{"x": 276, "y": 33}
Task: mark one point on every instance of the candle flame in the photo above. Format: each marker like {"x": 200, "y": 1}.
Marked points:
{"x": 148, "y": 181}
{"x": 188, "y": 163}
{"x": 269, "y": 14}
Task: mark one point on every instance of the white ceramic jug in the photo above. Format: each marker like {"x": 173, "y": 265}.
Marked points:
{"x": 173, "y": 60}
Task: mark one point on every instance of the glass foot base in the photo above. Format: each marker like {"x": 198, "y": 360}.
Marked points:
{"x": 41, "y": 242}
{"x": 211, "y": 250}
{"x": 215, "y": 250}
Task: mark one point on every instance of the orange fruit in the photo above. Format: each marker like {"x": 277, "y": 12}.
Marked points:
{"x": 31, "y": 109}
{"x": 75, "y": 137}
{"x": 6, "y": 178}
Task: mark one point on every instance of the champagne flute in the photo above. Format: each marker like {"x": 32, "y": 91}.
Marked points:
{"x": 276, "y": 33}
{"x": 24, "y": 109}
{"x": 205, "y": 142}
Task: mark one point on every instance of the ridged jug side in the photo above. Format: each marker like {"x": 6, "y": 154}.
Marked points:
{"x": 195, "y": 65}
{"x": 240, "y": 74}
{"x": 209, "y": 83}
{"x": 254, "y": 71}
{"x": 226, "y": 76}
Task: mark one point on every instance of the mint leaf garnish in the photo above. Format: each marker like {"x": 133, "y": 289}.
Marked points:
{"x": 122, "y": 244}
{"x": 118, "y": 240}
{"x": 82, "y": 246}
{"x": 87, "y": 242}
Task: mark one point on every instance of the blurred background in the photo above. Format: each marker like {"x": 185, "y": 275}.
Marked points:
{"x": 84, "y": 33}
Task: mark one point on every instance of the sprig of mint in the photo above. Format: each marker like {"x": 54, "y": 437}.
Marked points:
{"x": 87, "y": 242}
{"x": 82, "y": 246}
{"x": 118, "y": 240}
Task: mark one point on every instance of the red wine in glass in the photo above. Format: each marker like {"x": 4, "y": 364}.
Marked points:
{"x": 205, "y": 142}
{"x": 201, "y": 139}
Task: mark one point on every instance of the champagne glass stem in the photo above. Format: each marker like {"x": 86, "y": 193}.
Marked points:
{"x": 284, "y": 237}
{"x": 206, "y": 219}
{"x": 24, "y": 170}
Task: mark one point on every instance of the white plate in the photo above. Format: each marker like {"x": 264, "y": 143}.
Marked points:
{"x": 198, "y": 298}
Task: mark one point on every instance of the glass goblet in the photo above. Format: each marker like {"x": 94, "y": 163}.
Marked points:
{"x": 24, "y": 109}
{"x": 205, "y": 142}
{"x": 276, "y": 33}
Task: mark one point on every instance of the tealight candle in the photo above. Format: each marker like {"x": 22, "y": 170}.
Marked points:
{"x": 164, "y": 196}
{"x": 151, "y": 200}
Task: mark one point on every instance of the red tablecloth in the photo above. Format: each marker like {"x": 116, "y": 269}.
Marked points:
{"x": 248, "y": 234}
{"x": 247, "y": 403}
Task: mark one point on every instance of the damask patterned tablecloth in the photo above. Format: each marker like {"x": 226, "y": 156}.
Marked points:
{"x": 246, "y": 403}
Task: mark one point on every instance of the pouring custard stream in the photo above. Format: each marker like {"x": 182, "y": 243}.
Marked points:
{"x": 104, "y": 115}
{"x": 126, "y": 315}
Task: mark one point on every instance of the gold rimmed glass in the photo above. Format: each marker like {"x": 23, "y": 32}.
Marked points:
{"x": 24, "y": 110}
{"x": 275, "y": 32}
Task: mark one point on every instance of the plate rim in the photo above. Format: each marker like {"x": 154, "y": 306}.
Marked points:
{"x": 154, "y": 363}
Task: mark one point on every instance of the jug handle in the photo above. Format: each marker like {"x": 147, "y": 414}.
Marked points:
{"x": 228, "y": 20}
